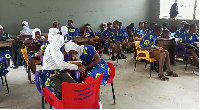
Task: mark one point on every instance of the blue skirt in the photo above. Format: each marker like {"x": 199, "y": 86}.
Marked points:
{"x": 6, "y": 52}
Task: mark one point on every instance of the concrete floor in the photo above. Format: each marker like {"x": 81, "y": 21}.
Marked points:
{"x": 134, "y": 90}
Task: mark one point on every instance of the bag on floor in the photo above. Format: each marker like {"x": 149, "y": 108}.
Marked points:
{"x": 155, "y": 66}
{"x": 56, "y": 82}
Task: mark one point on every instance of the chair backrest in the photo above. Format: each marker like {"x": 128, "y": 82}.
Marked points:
{"x": 137, "y": 43}
{"x": 33, "y": 47}
{"x": 25, "y": 54}
{"x": 112, "y": 69}
{"x": 81, "y": 95}
{"x": 37, "y": 82}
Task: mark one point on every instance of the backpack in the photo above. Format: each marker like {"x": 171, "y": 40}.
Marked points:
{"x": 174, "y": 10}
{"x": 56, "y": 82}
{"x": 155, "y": 66}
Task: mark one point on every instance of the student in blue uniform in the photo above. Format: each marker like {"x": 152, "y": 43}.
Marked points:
{"x": 73, "y": 31}
{"x": 152, "y": 26}
{"x": 188, "y": 39}
{"x": 165, "y": 26}
{"x": 106, "y": 36}
{"x": 64, "y": 32}
{"x": 6, "y": 51}
{"x": 146, "y": 28}
{"x": 165, "y": 34}
{"x": 130, "y": 30}
{"x": 119, "y": 39}
{"x": 88, "y": 31}
{"x": 139, "y": 32}
{"x": 94, "y": 65}
{"x": 102, "y": 30}
{"x": 161, "y": 55}
{"x": 182, "y": 30}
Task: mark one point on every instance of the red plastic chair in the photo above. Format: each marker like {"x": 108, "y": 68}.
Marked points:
{"x": 112, "y": 75}
{"x": 76, "y": 95}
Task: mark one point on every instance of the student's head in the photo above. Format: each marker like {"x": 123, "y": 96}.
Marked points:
{"x": 186, "y": 27}
{"x": 157, "y": 30}
{"x": 55, "y": 25}
{"x": 36, "y": 33}
{"x": 116, "y": 24}
{"x": 109, "y": 25}
{"x": 131, "y": 25}
{"x": 52, "y": 33}
{"x": 165, "y": 33}
{"x": 25, "y": 25}
{"x": 183, "y": 23}
{"x": 193, "y": 28}
{"x": 145, "y": 24}
{"x": 165, "y": 25}
{"x": 104, "y": 25}
{"x": 87, "y": 26}
{"x": 153, "y": 25}
{"x": 1, "y": 30}
{"x": 120, "y": 24}
{"x": 141, "y": 25}
{"x": 72, "y": 48}
{"x": 70, "y": 23}
{"x": 64, "y": 30}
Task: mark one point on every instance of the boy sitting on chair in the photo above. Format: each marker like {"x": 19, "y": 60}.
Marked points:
{"x": 188, "y": 39}
{"x": 72, "y": 31}
{"x": 139, "y": 32}
{"x": 182, "y": 30}
{"x": 147, "y": 43}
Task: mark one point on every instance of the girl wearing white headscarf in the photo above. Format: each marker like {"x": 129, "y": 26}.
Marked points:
{"x": 64, "y": 31}
{"x": 6, "y": 51}
{"x": 25, "y": 29}
{"x": 53, "y": 60}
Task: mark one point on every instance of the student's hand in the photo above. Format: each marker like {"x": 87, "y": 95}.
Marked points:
{"x": 81, "y": 69}
{"x": 91, "y": 29}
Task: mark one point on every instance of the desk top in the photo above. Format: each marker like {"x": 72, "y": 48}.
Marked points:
{"x": 6, "y": 43}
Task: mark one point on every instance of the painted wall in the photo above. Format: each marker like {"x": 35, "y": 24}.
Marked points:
{"x": 42, "y": 13}
{"x": 154, "y": 15}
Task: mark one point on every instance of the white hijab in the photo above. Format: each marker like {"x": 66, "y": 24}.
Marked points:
{"x": 26, "y": 31}
{"x": 35, "y": 30}
{"x": 64, "y": 30}
{"x": 1, "y": 27}
{"x": 26, "y": 23}
{"x": 73, "y": 46}
{"x": 52, "y": 32}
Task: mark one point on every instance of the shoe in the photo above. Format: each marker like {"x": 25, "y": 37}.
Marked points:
{"x": 119, "y": 57}
{"x": 113, "y": 58}
{"x": 123, "y": 56}
{"x": 13, "y": 66}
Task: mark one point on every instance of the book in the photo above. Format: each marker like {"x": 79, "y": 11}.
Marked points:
{"x": 78, "y": 63}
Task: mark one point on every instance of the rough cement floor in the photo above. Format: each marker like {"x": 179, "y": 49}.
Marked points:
{"x": 134, "y": 90}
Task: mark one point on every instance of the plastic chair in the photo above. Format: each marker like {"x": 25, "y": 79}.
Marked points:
{"x": 111, "y": 78}
{"x": 183, "y": 52}
{"x": 25, "y": 56}
{"x": 145, "y": 57}
{"x": 3, "y": 71}
{"x": 76, "y": 96}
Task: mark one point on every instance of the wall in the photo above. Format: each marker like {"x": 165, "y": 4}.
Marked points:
{"x": 42, "y": 13}
{"x": 154, "y": 15}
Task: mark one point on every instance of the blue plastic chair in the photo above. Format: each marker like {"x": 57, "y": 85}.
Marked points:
{"x": 3, "y": 71}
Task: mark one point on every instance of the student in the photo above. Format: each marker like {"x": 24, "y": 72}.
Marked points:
{"x": 183, "y": 23}
{"x": 56, "y": 25}
{"x": 94, "y": 65}
{"x": 119, "y": 39}
{"x": 6, "y": 51}
{"x": 64, "y": 32}
{"x": 53, "y": 61}
{"x": 165, "y": 26}
{"x": 102, "y": 31}
{"x": 188, "y": 39}
{"x": 130, "y": 30}
{"x": 155, "y": 52}
{"x": 106, "y": 36}
{"x": 33, "y": 56}
{"x": 72, "y": 31}
{"x": 88, "y": 31}
{"x": 166, "y": 34}
{"x": 182, "y": 30}
{"x": 25, "y": 29}
{"x": 139, "y": 32}
{"x": 146, "y": 29}
{"x": 152, "y": 26}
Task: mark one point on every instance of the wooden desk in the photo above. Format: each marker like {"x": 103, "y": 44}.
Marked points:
{"x": 196, "y": 44}
{"x": 80, "y": 40}
{"x": 6, "y": 43}
{"x": 23, "y": 37}
{"x": 169, "y": 45}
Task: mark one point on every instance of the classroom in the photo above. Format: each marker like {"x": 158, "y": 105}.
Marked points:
{"x": 99, "y": 54}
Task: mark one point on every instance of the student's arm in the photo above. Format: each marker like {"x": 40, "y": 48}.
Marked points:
{"x": 93, "y": 35}
{"x": 84, "y": 32}
{"x": 27, "y": 41}
{"x": 149, "y": 48}
{"x": 41, "y": 53}
{"x": 96, "y": 61}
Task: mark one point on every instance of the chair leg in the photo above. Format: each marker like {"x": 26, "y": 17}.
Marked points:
{"x": 146, "y": 64}
{"x": 2, "y": 81}
{"x": 186, "y": 58}
{"x": 135, "y": 64}
{"x": 50, "y": 107}
{"x": 150, "y": 68}
{"x": 29, "y": 75}
{"x": 7, "y": 85}
{"x": 113, "y": 93}
{"x": 43, "y": 102}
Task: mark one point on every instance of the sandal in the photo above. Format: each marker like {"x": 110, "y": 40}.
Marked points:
{"x": 171, "y": 74}
{"x": 163, "y": 78}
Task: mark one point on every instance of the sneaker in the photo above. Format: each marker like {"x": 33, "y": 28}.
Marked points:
{"x": 119, "y": 57}
{"x": 123, "y": 56}
{"x": 13, "y": 66}
{"x": 113, "y": 58}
